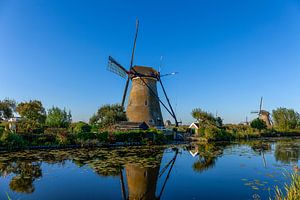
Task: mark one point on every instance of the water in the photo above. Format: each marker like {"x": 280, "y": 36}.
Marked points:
{"x": 245, "y": 170}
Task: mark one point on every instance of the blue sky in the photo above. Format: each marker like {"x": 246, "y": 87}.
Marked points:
{"x": 227, "y": 53}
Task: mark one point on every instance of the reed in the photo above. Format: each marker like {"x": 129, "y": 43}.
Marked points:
{"x": 291, "y": 191}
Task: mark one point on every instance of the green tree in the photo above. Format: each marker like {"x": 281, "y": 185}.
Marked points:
{"x": 286, "y": 119}
{"x": 7, "y": 108}
{"x": 258, "y": 124}
{"x": 80, "y": 127}
{"x": 219, "y": 121}
{"x": 58, "y": 118}
{"x": 33, "y": 111}
{"x": 204, "y": 118}
{"x": 108, "y": 115}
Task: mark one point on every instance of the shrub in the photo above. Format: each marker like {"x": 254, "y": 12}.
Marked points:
{"x": 86, "y": 136}
{"x": 65, "y": 138}
{"x": 102, "y": 137}
{"x": 80, "y": 127}
{"x": 61, "y": 135}
{"x": 213, "y": 133}
{"x": 129, "y": 136}
{"x": 258, "y": 124}
{"x": 12, "y": 140}
{"x": 26, "y": 126}
{"x": 2, "y": 128}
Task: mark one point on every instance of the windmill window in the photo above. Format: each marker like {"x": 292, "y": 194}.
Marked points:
{"x": 146, "y": 103}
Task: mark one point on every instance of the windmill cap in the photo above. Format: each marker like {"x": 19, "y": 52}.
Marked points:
{"x": 264, "y": 112}
{"x": 147, "y": 71}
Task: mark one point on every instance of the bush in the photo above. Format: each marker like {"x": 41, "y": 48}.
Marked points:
{"x": 61, "y": 135}
{"x": 258, "y": 124}
{"x": 102, "y": 137}
{"x": 80, "y": 127}
{"x": 45, "y": 139}
{"x": 129, "y": 136}
{"x": 65, "y": 138}
{"x": 12, "y": 140}
{"x": 29, "y": 126}
{"x": 86, "y": 136}
{"x": 2, "y": 128}
{"x": 213, "y": 133}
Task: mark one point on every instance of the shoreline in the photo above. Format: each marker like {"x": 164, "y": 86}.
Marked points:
{"x": 137, "y": 144}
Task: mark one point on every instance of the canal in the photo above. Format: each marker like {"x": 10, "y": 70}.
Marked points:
{"x": 239, "y": 170}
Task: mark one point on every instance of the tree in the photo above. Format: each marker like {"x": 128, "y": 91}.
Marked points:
{"x": 32, "y": 111}
{"x": 108, "y": 115}
{"x": 58, "y": 118}
{"x": 286, "y": 119}
{"x": 258, "y": 124}
{"x": 203, "y": 117}
{"x": 80, "y": 127}
{"x": 7, "y": 108}
{"x": 219, "y": 121}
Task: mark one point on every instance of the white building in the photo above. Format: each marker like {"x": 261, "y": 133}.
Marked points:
{"x": 194, "y": 127}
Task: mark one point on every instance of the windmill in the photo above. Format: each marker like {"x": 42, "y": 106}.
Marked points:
{"x": 144, "y": 102}
{"x": 263, "y": 114}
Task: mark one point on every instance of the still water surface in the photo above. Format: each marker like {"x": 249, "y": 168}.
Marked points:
{"x": 245, "y": 170}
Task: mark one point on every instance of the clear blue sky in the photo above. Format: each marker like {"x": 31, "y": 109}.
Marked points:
{"x": 228, "y": 53}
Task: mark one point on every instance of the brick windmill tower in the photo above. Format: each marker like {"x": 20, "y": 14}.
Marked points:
{"x": 144, "y": 101}
{"x": 263, "y": 114}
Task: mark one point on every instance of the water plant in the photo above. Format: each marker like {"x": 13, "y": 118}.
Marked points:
{"x": 292, "y": 191}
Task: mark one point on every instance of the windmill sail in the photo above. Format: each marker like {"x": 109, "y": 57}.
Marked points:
{"x": 173, "y": 73}
{"x": 116, "y": 68}
{"x": 131, "y": 62}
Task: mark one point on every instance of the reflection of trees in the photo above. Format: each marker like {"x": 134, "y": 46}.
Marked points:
{"x": 25, "y": 166}
{"x": 208, "y": 154}
{"x": 287, "y": 152}
{"x": 204, "y": 163}
{"x": 260, "y": 147}
{"x": 26, "y": 173}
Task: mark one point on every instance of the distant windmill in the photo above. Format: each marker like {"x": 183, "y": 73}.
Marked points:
{"x": 144, "y": 102}
{"x": 246, "y": 122}
{"x": 263, "y": 114}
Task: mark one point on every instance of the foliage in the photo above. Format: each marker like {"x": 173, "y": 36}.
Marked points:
{"x": 80, "y": 127}
{"x": 86, "y": 136}
{"x": 33, "y": 111}
{"x": 219, "y": 121}
{"x": 213, "y": 133}
{"x": 240, "y": 131}
{"x": 286, "y": 119}
{"x": 62, "y": 136}
{"x": 108, "y": 115}
{"x": 7, "y": 108}
{"x": 2, "y": 128}
{"x": 26, "y": 126}
{"x": 10, "y": 140}
{"x": 204, "y": 118}
{"x": 58, "y": 118}
{"x": 258, "y": 124}
{"x": 292, "y": 190}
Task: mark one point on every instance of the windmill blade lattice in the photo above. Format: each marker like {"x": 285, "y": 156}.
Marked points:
{"x": 116, "y": 68}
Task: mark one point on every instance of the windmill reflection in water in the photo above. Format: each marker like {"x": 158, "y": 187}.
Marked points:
{"x": 142, "y": 181}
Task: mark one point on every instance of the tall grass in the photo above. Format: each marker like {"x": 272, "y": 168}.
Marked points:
{"x": 8, "y": 196}
{"x": 292, "y": 191}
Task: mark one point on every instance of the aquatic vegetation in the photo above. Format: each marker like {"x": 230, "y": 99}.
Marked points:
{"x": 292, "y": 191}
{"x": 24, "y": 170}
{"x": 8, "y": 196}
